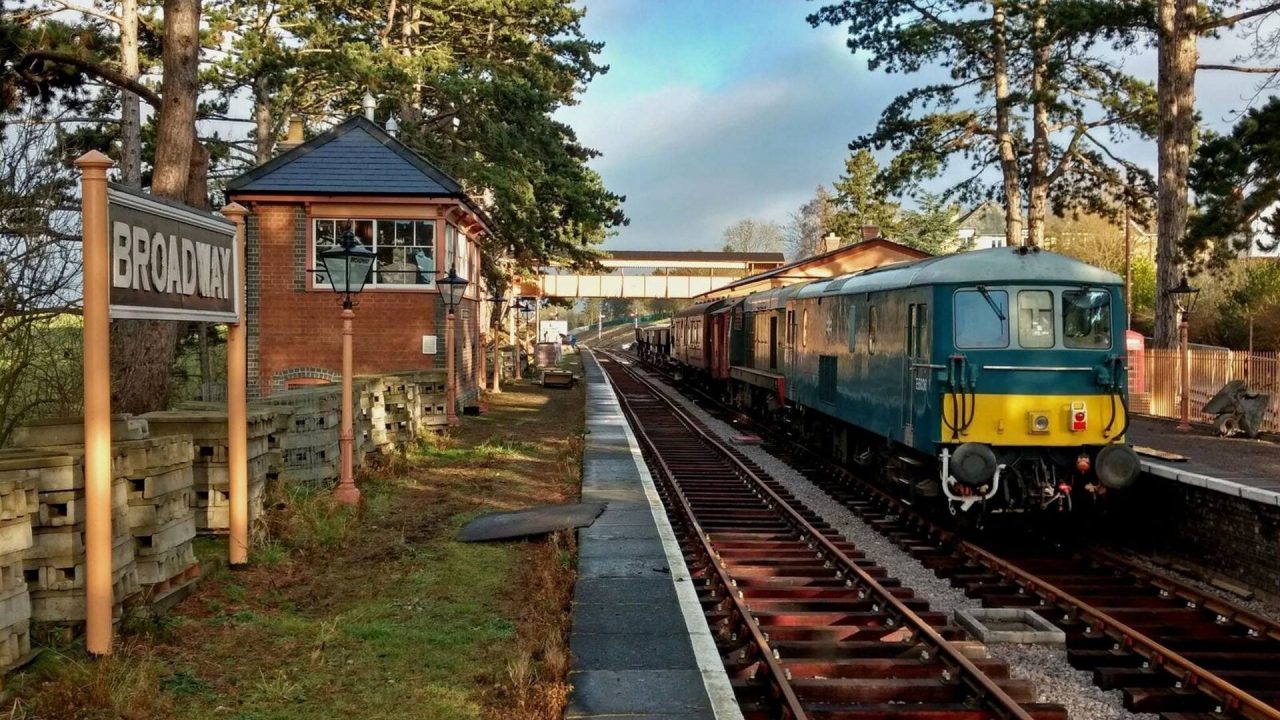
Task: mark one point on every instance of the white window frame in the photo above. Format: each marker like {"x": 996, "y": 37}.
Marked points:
{"x": 375, "y": 282}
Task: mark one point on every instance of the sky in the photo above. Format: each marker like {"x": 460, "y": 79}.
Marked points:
{"x": 717, "y": 110}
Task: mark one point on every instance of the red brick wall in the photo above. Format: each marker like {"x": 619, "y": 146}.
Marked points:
{"x": 297, "y": 329}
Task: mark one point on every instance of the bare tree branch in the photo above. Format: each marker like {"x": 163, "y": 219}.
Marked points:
{"x": 1241, "y": 68}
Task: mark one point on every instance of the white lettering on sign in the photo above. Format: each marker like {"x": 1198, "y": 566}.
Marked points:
{"x": 178, "y": 266}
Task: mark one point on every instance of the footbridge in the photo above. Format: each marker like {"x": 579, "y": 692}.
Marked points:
{"x": 654, "y": 274}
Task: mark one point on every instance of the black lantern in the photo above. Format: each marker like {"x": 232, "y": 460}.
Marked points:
{"x": 347, "y": 266}
{"x": 1185, "y": 295}
{"x": 526, "y": 308}
{"x": 452, "y": 286}
{"x": 498, "y": 302}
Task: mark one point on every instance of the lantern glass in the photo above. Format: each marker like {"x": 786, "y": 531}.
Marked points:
{"x": 452, "y": 286}
{"x": 347, "y": 266}
{"x": 1185, "y": 295}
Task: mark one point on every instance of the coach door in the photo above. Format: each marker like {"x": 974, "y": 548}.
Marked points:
{"x": 773, "y": 341}
{"x": 916, "y": 387}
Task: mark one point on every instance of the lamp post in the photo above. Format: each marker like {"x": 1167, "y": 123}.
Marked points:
{"x": 499, "y": 304}
{"x": 347, "y": 268}
{"x": 1184, "y": 295}
{"x": 522, "y": 309}
{"x": 452, "y": 286}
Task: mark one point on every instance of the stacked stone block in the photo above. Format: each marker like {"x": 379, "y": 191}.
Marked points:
{"x": 161, "y": 487}
{"x": 211, "y": 455}
{"x": 309, "y": 450}
{"x": 19, "y": 477}
{"x": 54, "y": 565}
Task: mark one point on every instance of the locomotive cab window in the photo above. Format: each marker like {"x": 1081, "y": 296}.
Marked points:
{"x": 981, "y": 318}
{"x": 1035, "y": 319}
{"x": 1086, "y": 319}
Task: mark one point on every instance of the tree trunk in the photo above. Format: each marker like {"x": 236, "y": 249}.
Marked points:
{"x": 1176, "y": 95}
{"x": 176, "y": 126}
{"x": 263, "y": 137}
{"x": 1038, "y": 194}
{"x": 143, "y": 350}
{"x": 130, "y": 105}
{"x": 1004, "y": 136}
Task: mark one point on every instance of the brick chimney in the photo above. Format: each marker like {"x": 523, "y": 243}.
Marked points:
{"x": 870, "y": 232}
{"x": 830, "y": 242}
{"x": 294, "y": 135}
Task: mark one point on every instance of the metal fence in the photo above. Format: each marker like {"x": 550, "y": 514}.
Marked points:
{"x": 1155, "y": 380}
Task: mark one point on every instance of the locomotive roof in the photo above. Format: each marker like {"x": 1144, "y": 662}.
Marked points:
{"x": 995, "y": 265}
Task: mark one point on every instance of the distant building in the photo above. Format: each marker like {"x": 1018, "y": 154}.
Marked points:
{"x": 982, "y": 228}
{"x": 836, "y": 260}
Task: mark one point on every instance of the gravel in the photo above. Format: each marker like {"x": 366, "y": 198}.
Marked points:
{"x": 1046, "y": 667}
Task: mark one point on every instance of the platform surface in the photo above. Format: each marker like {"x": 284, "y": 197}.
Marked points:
{"x": 640, "y": 645}
{"x": 1236, "y": 466}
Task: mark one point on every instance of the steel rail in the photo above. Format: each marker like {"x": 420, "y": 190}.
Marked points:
{"x": 766, "y": 653}
{"x": 998, "y": 700}
{"x": 1230, "y": 697}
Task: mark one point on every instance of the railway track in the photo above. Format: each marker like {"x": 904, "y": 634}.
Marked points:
{"x": 1170, "y": 648}
{"x": 807, "y": 626}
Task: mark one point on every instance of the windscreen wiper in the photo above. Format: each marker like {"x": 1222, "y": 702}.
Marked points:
{"x": 995, "y": 307}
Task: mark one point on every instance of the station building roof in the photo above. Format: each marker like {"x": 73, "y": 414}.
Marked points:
{"x": 354, "y": 158}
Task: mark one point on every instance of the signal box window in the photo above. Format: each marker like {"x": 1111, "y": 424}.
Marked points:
{"x": 405, "y": 249}
{"x": 1035, "y": 319}
{"x": 982, "y": 318}
{"x": 1086, "y": 319}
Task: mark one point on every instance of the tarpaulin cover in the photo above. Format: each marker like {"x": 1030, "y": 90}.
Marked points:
{"x": 532, "y": 521}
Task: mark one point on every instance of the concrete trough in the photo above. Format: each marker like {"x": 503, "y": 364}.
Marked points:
{"x": 1010, "y": 625}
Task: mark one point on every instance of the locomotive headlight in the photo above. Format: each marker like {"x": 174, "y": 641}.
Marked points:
{"x": 1038, "y": 422}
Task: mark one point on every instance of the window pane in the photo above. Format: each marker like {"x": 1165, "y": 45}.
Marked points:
{"x": 853, "y": 328}
{"x": 873, "y": 320}
{"x": 1035, "y": 319}
{"x": 922, "y": 331}
{"x": 982, "y": 321}
{"x": 1086, "y": 319}
{"x": 326, "y": 238}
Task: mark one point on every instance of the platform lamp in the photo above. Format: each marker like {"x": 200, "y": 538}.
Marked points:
{"x": 452, "y": 286}
{"x": 347, "y": 268}
{"x": 527, "y": 310}
{"x": 499, "y": 304}
{"x": 1184, "y": 295}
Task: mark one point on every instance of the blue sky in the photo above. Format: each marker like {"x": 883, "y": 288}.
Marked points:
{"x": 717, "y": 110}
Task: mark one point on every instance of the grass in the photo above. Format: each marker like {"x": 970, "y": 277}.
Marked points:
{"x": 376, "y": 614}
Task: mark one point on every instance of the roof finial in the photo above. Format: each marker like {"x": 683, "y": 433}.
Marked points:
{"x": 393, "y": 127}
{"x": 369, "y": 106}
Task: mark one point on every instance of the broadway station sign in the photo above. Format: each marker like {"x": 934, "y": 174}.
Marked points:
{"x": 170, "y": 261}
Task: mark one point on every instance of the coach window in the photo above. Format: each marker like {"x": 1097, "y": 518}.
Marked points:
{"x": 981, "y": 318}
{"x": 873, "y": 322}
{"x": 853, "y": 328}
{"x": 1086, "y": 319}
{"x": 1035, "y": 319}
{"x": 804, "y": 328}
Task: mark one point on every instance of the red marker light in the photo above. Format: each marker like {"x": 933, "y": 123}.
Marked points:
{"x": 1079, "y": 417}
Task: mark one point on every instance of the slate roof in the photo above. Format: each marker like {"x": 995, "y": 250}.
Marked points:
{"x": 985, "y": 219}
{"x": 354, "y": 158}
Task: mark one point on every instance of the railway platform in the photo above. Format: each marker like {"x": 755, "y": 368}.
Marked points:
{"x": 640, "y": 646}
{"x": 1249, "y": 469}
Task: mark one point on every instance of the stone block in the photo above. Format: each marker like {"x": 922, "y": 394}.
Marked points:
{"x": 175, "y": 533}
{"x": 70, "y": 431}
{"x": 1009, "y": 625}
{"x": 161, "y": 567}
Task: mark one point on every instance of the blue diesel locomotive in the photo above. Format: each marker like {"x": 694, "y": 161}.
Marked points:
{"x": 992, "y": 379}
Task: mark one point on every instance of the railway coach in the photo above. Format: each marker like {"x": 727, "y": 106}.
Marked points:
{"x": 992, "y": 378}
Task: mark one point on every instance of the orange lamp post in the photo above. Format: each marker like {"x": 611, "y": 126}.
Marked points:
{"x": 452, "y": 286}
{"x": 499, "y": 304}
{"x": 1185, "y": 296}
{"x": 347, "y": 268}
{"x": 237, "y": 412}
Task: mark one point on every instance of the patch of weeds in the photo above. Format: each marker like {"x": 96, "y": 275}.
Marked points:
{"x": 276, "y": 689}
{"x": 269, "y": 554}
{"x": 314, "y": 521}
{"x": 235, "y": 593}
{"x": 184, "y": 683}
{"x": 142, "y": 621}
